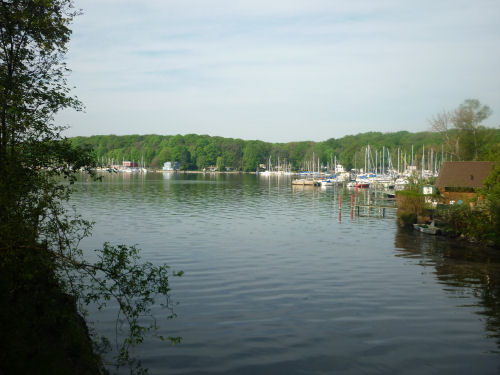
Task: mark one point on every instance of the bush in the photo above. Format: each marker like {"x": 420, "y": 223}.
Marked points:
{"x": 410, "y": 201}
{"x": 491, "y": 193}
{"x": 411, "y": 205}
{"x": 472, "y": 222}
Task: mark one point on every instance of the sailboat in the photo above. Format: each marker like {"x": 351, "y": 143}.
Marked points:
{"x": 143, "y": 168}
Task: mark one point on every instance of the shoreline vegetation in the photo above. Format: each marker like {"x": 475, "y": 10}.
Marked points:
{"x": 196, "y": 152}
{"x": 475, "y": 219}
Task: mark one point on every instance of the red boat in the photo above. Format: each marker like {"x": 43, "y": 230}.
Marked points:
{"x": 362, "y": 185}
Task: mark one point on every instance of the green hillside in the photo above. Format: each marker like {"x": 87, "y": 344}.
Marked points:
{"x": 195, "y": 152}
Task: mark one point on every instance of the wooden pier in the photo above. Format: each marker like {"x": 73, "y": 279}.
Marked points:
{"x": 368, "y": 208}
{"x": 305, "y": 182}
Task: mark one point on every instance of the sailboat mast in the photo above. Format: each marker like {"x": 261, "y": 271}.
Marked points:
{"x": 423, "y": 160}
{"x": 383, "y": 160}
{"x": 399, "y": 157}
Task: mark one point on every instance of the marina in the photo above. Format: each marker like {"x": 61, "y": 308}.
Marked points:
{"x": 249, "y": 187}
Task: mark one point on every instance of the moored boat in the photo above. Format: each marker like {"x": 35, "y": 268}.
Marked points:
{"x": 362, "y": 185}
{"x": 427, "y": 228}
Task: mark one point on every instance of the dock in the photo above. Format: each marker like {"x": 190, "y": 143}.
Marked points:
{"x": 368, "y": 208}
{"x": 305, "y": 182}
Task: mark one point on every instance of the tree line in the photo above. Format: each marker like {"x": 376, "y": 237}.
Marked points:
{"x": 195, "y": 152}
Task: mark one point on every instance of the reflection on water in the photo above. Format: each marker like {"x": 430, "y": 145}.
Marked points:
{"x": 287, "y": 280}
{"x": 464, "y": 270}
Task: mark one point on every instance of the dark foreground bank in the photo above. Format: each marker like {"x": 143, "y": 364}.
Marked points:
{"x": 42, "y": 332}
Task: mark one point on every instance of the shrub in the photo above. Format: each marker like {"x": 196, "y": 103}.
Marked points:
{"x": 411, "y": 205}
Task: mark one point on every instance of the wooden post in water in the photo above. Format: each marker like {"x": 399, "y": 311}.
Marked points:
{"x": 340, "y": 202}
{"x": 352, "y": 206}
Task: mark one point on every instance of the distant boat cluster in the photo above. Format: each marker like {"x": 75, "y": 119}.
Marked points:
{"x": 125, "y": 167}
{"x": 358, "y": 179}
{"x": 379, "y": 173}
{"x": 378, "y": 170}
{"x": 392, "y": 180}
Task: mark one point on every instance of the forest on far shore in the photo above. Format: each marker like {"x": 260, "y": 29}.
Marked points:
{"x": 195, "y": 152}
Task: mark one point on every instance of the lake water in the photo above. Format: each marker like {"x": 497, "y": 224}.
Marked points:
{"x": 280, "y": 280}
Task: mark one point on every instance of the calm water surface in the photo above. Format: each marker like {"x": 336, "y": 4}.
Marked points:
{"x": 281, "y": 280}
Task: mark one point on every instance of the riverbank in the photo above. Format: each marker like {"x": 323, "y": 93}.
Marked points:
{"x": 42, "y": 331}
{"x": 474, "y": 221}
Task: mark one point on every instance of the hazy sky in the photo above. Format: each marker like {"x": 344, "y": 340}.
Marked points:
{"x": 280, "y": 70}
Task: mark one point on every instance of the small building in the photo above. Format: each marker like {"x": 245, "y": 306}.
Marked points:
{"x": 459, "y": 180}
{"x": 129, "y": 164}
{"x": 169, "y": 166}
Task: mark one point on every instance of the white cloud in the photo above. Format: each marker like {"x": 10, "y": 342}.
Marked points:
{"x": 280, "y": 70}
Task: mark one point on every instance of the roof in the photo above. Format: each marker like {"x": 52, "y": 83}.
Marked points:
{"x": 467, "y": 174}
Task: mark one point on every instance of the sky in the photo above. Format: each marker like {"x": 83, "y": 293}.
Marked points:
{"x": 279, "y": 70}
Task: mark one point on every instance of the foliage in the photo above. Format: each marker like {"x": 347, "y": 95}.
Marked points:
{"x": 479, "y": 221}
{"x": 491, "y": 193}
{"x": 118, "y": 275}
{"x": 410, "y": 201}
{"x": 463, "y": 134}
{"x": 467, "y": 119}
{"x": 255, "y": 152}
{"x": 472, "y": 222}
{"x": 411, "y": 204}
{"x": 32, "y": 77}
{"x": 33, "y": 196}
{"x": 200, "y": 151}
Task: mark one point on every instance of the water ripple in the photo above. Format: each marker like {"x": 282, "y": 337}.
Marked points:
{"x": 283, "y": 280}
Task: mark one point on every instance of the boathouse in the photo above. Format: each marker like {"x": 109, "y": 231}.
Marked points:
{"x": 129, "y": 164}
{"x": 169, "y": 166}
{"x": 460, "y": 180}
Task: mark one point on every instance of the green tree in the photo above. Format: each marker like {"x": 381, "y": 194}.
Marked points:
{"x": 491, "y": 193}
{"x": 181, "y": 154}
{"x": 220, "y": 164}
{"x": 232, "y": 152}
{"x": 254, "y": 153}
{"x": 34, "y": 222}
{"x": 468, "y": 120}
{"x": 462, "y": 131}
